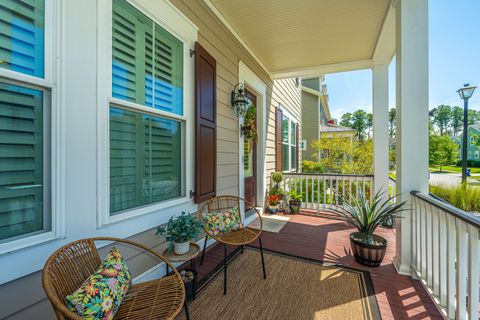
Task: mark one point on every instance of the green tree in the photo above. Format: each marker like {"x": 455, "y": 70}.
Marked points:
{"x": 441, "y": 118}
{"x": 392, "y": 119}
{"x": 369, "y": 124}
{"x": 473, "y": 116}
{"x": 359, "y": 123}
{"x": 442, "y": 150}
{"x": 344, "y": 155}
{"x": 456, "y": 120}
{"x": 346, "y": 120}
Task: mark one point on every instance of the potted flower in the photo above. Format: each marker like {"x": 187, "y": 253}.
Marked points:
{"x": 180, "y": 231}
{"x": 366, "y": 215}
{"x": 295, "y": 201}
{"x": 275, "y": 189}
{"x": 273, "y": 201}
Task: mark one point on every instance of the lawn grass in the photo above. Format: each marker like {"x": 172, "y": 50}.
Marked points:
{"x": 456, "y": 169}
{"x": 464, "y": 197}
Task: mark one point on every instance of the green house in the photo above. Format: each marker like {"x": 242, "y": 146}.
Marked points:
{"x": 473, "y": 151}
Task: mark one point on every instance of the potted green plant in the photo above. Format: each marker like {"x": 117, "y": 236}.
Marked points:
{"x": 275, "y": 189}
{"x": 180, "y": 231}
{"x": 273, "y": 202}
{"x": 366, "y": 215}
{"x": 295, "y": 201}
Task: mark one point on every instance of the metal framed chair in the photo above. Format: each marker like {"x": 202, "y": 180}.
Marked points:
{"x": 68, "y": 267}
{"x": 241, "y": 237}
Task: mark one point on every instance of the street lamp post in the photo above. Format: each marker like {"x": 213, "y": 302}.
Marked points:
{"x": 465, "y": 93}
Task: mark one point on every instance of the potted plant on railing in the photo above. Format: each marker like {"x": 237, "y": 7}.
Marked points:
{"x": 295, "y": 201}
{"x": 273, "y": 201}
{"x": 180, "y": 231}
{"x": 366, "y": 215}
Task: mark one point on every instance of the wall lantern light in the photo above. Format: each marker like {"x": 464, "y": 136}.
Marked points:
{"x": 239, "y": 100}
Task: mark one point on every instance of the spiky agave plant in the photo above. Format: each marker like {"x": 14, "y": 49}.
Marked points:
{"x": 364, "y": 214}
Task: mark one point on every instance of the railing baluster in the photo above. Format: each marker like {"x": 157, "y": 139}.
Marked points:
{"x": 451, "y": 276}
{"x": 423, "y": 255}
{"x": 414, "y": 231}
{"x": 435, "y": 252}
{"x": 473, "y": 272}
{"x": 418, "y": 213}
{"x": 442, "y": 237}
{"x": 462, "y": 264}
{"x": 428, "y": 245}
{"x": 318, "y": 193}
{"x": 306, "y": 192}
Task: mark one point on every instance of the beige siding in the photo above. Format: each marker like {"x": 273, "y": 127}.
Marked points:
{"x": 24, "y": 298}
{"x": 310, "y": 123}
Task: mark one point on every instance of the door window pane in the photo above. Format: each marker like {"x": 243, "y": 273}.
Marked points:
{"x": 23, "y": 210}
{"x": 145, "y": 159}
{"x": 147, "y": 61}
{"x": 22, "y": 36}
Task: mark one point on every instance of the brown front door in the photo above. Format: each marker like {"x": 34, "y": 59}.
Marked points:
{"x": 250, "y": 161}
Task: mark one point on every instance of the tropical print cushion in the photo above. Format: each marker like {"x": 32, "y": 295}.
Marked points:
{"x": 101, "y": 294}
{"x": 223, "y": 222}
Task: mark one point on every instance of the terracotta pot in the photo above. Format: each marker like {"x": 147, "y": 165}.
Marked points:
{"x": 371, "y": 253}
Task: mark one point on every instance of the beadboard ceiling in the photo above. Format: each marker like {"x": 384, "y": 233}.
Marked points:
{"x": 289, "y": 35}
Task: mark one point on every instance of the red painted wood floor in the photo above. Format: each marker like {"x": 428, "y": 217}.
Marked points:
{"x": 399, "y": 297}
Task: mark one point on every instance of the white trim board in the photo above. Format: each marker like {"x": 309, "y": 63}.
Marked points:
{"x": 251, "y": 80}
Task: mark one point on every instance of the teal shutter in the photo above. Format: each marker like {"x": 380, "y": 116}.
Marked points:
{"x": 21, "y": 161}
{"x": 22, "y": 36}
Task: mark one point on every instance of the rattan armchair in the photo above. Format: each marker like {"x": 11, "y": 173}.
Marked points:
{"x": 68, "y": 267}
{"x": 241, "y": 237}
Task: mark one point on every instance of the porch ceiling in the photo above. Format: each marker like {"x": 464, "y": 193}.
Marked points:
{"x": 289, "y": 36}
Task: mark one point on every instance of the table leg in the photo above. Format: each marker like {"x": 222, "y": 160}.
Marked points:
{"x": 194, "y": 286}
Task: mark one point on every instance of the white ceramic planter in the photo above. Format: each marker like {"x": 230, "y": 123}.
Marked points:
{"x": 181, "y": 247}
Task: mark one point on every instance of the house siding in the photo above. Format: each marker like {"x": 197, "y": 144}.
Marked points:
{"x": 310, "y": 124}
{"x": 23, "y": 298}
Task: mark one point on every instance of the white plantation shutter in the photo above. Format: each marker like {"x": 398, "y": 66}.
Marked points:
{"x": 145, "y": 150}
{"x": 21, "y": 161}
{"x": 22, "y": 36}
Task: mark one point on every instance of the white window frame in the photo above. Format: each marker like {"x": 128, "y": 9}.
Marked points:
{"x": 172, "y": 20}
{"x": 291, "y": 144}
{"x": 477, "y": 154}
{"x": 54, "y": 144}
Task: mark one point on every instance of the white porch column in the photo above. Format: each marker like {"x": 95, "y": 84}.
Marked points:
{"x": 380, "y": 126}
{"x": 412, "y": 114}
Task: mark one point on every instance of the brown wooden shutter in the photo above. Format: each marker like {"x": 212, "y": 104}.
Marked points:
{"x": 278, "y": 139}
{"x": 205, "y": 124}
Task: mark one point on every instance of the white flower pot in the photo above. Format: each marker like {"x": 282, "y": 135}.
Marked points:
{"x": 181, "y": 247}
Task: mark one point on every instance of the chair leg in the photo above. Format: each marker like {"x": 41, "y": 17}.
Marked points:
{"x": 187, "y": 314}
{"x": 224, "y": 269}
{"x": 204, "y": 247}
{"x": 263, "y": 260}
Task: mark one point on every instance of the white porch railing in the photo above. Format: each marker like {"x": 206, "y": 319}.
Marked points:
{"x": 445, "y": 255}
{"x": 321, "y": 191}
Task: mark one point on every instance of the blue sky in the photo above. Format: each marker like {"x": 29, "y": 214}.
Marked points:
{"x": 454, "y": 56}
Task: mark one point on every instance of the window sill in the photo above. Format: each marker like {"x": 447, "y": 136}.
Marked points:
{"x": 15, "y": 245}
{"x": 140, "y": 211}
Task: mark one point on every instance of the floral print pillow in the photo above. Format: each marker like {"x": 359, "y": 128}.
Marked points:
{"x": 101, "y": 294}
{"x": 223, "y": 222}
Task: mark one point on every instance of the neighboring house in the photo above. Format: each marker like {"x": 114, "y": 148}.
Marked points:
{"x": 473, "y": 150}
{"x": 315, "y": 113}
{"x": 336, "y": 131}
{"x": 115, "y": 116}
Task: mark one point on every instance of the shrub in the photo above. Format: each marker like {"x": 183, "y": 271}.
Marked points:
{"x": 464, "y": 197}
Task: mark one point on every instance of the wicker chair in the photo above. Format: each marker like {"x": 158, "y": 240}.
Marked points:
{"x": 240, "y": 237}
{"x": 68, "y": 267}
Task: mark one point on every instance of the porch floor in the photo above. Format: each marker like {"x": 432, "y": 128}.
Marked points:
{"x": 399, "y": 297}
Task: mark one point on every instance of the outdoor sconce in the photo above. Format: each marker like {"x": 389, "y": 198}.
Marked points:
{"x": 239, "y": 100}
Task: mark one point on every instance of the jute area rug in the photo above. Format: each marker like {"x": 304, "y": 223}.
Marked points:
{"x": 295, "y": 288}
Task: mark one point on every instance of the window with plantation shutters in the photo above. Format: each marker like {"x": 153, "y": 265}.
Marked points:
{"x": 24, "y": 122}
{"x": 145, "y": 148}
{"x": 22, "y": 36}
